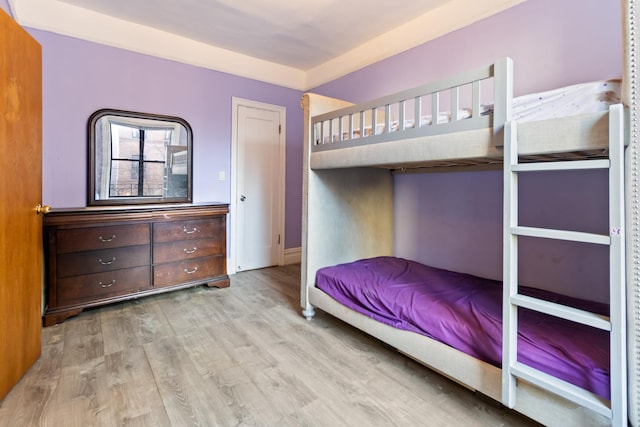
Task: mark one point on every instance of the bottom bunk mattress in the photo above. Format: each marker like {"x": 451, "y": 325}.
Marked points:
{"x": 465, "y": 312}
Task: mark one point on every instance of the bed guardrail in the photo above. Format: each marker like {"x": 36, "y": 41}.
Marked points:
{"x": 475, "y": 99}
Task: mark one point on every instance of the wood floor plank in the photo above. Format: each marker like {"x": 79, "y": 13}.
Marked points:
{"x": 36, "y": 390}
{"x": 352, "y": 406}
{"x": 85, "y": 346}
{"x": 239, "y": 356}
{"x": 118, "y": 328}
{"x": 132, "y": 388}
{"x": 174, "y": 378}
{"x": 81, "y": 397}
{"x": 247, "y": 397}
{"x": 148, "y": 318}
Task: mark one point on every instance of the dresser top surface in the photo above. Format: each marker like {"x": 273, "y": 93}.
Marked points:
{"x": 140, "y": 213}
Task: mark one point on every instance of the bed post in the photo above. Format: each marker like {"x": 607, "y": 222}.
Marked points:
{"x": 630, "y": 99}
{"x": 502, "y": 98}
{"x": 307, "y": 310}
{"x": 312, "y": 105}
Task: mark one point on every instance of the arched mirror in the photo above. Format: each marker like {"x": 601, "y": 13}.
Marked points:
{"x": 138, "y": 158}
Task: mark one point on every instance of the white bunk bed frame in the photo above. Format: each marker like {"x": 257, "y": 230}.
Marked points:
{"x": 348, "y": 215}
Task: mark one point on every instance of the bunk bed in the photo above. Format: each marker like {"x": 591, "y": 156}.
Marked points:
{"x": 351, "y": 153}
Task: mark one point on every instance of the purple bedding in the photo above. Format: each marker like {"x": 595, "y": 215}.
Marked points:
{"x": 465, "y": 312}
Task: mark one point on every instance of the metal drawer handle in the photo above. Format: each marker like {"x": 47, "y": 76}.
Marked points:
{"x": 106, "y": 262}
{"x": 191, "y": 271}
{"x": 108, "y": 285}
{"x": 190, "y": 251}
{"x": 193, "y": 230}
{"x": 102, "y": 239}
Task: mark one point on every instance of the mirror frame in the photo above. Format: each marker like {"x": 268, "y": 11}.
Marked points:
{"x": 93, "y": 138}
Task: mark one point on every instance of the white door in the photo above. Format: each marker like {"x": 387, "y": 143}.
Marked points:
{"x": 257, "y": 204}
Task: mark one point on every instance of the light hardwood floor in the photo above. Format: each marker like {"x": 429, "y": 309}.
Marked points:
{"x": 241, "y": 356}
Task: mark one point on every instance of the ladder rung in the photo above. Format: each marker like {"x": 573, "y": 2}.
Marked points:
{"x": 553, "y": 166}
{"x": 562, "y": 388}
{"x": 548, "y": 233}
{"x": 562, "y": 311}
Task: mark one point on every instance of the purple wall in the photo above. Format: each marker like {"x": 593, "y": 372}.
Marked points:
{"x": 457, "y": 226}
{"x": 80, "y": 77}
{"x": 454, "y": 220}
{"x": 552, "y": 44}
{"x": 4, "y": 5}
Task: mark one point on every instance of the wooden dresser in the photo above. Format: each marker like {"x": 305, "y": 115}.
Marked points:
{"x": 96, "y": 256}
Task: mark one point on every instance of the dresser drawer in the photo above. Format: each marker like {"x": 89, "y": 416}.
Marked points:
{"x": 187, "y": 271}
{"x": 92, "y": 287}
{"x": 78, "y": 263}
{"x": 114, "y": 236}
{"x": 189, "y": 229}
{"x": 186, "y": 249}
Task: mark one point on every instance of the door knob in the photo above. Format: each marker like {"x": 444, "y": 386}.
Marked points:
{"x": 243, "y": 198}
{"x": 42, "y": 209}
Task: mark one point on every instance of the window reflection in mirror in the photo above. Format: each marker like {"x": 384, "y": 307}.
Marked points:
{"x": 138, "y": 158}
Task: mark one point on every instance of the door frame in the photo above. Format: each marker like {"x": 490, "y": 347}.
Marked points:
{"x": 236, "y": 103}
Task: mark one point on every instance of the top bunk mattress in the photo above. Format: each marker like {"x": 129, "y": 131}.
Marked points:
{"x": 465, "y": 312}
{"x": 400, "y": 131}
{"x": 567, "y": 101}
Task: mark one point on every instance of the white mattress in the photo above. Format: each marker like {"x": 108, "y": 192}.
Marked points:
{"x": 567, "y": 101}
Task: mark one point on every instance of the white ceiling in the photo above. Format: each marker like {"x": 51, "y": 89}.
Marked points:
{"x": 298, "y": 33}
{"x": 293, "y": 43}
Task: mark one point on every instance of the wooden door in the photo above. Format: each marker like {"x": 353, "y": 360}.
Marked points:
{"x": 20, "y": 192}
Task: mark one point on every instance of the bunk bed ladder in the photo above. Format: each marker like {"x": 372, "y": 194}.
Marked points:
{"x": 512, "y": 370}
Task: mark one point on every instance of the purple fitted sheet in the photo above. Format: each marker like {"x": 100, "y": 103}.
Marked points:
{"x": 465, "y": 312}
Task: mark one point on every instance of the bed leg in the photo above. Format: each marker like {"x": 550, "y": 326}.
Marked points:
{"x": 308, "y": 312}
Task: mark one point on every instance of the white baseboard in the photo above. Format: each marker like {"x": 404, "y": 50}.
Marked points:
{"x": 292, "y": 256}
